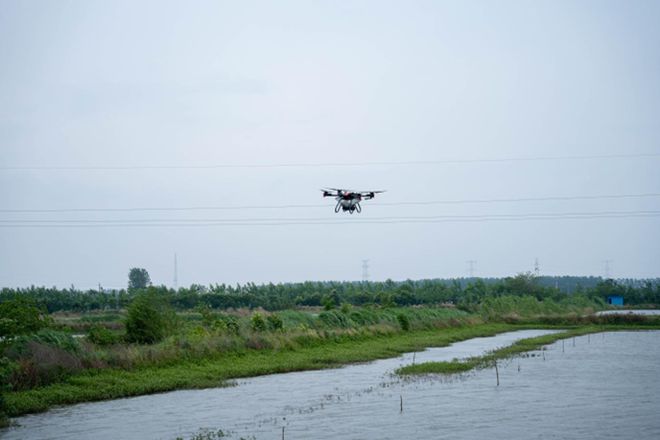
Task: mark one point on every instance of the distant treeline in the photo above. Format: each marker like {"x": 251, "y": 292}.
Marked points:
{"x": 461, "y": 292}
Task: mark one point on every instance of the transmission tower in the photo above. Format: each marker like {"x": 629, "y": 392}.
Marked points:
{"x": 537, "y": 271}
{"x": 365, "y": 270}
{"x": 176, "y": 274}
{"x": 471, "y": 264}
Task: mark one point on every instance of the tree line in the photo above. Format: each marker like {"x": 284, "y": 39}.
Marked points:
{"x": 460, "y": 292}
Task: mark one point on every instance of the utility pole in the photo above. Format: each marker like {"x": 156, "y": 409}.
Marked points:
{"x": 365, "y": 270}
{"x": 537, "y": 271}
{"x": 471, "y": 264}
{"x": 176, "y": 275}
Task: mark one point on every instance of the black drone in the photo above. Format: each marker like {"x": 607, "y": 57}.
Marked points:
{"x": 347, "y": 200}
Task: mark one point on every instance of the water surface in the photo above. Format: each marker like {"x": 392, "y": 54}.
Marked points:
{"x": 592, "y": 387}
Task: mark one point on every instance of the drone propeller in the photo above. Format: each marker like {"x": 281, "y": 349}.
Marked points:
{"x": 371, "y": 194}
{"x": 338, "y": 190}
{"x": 328, "y": 192}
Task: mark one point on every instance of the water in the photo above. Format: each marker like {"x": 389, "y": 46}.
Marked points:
{"x": 598, "y": 387}
{"x": 645, "y": 312}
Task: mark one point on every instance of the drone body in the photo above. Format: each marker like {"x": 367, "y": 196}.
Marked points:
{"x": 347, "y": 200}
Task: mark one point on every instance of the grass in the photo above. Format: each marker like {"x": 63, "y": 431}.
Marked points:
{"x": 217, "y": 368}
{"x": 217, "y": 371}
{"x": 452, "y": 367}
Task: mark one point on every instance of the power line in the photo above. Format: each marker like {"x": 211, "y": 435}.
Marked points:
{"x": 325, "y": 164}
{"x": 323, "y": 221}
{"x": 325, "y": 205}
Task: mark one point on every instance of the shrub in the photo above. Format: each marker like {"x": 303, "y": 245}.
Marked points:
{"x": 149, "y": 318}
{"x": 7, "y": 369}
{"x": 53, "y": 338}
{"x": 328, "y": 303}
{"x": 101, "y": 336}
{"x": 334, "y": 319}
{"x": 274, "y": 322}
{"x": 257, "y": 322}
{"x": 45, "y": 365}
{"x": 404, "y": 322}
{"x": 230, "y": 323}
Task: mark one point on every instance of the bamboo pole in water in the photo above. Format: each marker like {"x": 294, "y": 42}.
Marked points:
{"x": 497, "y": 374}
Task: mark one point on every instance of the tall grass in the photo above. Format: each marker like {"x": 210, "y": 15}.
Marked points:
{"x": 50, "y": 356}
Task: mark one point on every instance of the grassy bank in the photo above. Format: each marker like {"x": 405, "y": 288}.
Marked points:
{"x": 216, "y": 371}
{"x": 47, "y": 367}
{"x": 524, "y": 345}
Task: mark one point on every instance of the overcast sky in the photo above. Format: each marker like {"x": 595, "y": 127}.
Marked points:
{"x": 98, "y": 84}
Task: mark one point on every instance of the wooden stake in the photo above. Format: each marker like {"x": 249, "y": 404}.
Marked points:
{"x": 562, "y": 345}
{"x": 401, "y": 404}
{"x": 497, "y": 373}
{"x": 282, "y": 432}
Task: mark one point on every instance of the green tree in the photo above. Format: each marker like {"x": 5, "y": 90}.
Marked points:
{"x": 149, "y": 318}
{"x": 19, "y": 316}
{"x": 138, "y": 278}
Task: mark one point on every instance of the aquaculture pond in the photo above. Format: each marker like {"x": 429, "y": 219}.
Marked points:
{"x": 591, "y": 387}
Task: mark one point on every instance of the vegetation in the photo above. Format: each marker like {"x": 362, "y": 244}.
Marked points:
{"x": 199, "y": 337}
{"x": 138, "y": 279}
{"x": 5, "y": 373}
{"x": 208, "y": 434}
{"x": 306, "y": 352}
{"x": 149, "y": 318}
{"x": 19, "y": 316}
{"x": 464, "y": 293}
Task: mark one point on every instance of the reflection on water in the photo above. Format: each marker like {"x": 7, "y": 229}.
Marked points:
{"x": 602, "y": 386}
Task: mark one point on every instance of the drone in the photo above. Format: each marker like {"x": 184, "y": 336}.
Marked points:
{"x": 348, "y": 200}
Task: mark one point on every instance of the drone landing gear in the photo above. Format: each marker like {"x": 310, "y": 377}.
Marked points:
{"x": 358, "y": 208}
{"x": 337, "y": 208}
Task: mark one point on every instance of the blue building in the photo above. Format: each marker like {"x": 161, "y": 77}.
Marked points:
{"x": 615, "y": 300}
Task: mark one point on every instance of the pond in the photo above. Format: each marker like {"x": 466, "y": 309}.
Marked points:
{"x": 598, "y": 386}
